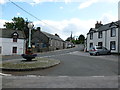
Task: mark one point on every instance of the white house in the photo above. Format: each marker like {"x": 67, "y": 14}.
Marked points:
{"x": 12, "y": 42}
{"x": 107, "y": 35}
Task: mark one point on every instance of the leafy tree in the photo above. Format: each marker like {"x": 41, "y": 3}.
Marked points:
{"x": 18, "y": 23}
{"x": 81, "y": 38}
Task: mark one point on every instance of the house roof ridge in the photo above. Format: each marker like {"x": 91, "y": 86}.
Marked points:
{"x": 7, "y": 33}
{"x": 51, "y": 35}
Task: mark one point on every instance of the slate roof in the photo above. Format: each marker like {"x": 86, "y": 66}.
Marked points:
{"x": 52, "y": 36}
{"x": 107, "y": 26}
{"x": 104, "y": 27}
{"x": 5, "y": 33}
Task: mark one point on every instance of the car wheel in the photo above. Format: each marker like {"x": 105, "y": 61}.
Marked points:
{"x": 97, "y": 54}
{"x": 109, "y": 53}
{"x": 91, "y": 54}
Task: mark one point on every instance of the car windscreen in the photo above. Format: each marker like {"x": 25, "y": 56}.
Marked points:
{"x": 98, "y": 47}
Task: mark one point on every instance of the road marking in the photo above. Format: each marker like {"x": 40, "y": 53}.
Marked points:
{"x": 2, "y": 74}
{"x": 97, "y": 76}
{"x": 63, "y": 76}
{"x": 31, "y": 75}
{"x": 52, "y": 55}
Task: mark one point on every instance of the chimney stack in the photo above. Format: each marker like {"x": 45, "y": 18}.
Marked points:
{"x": 39, "y": 28}
{"x": 98, "y": 24}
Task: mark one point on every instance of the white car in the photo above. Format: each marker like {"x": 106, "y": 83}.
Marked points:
{"x": 69, "y": 46}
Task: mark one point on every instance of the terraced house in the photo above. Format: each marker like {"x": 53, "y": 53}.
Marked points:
{"x": 43, "y": 41}
{"x": 12, "y": 42}
{"x": 107, "y": 35}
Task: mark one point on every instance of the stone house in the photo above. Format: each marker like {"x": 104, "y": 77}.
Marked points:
{"x": 43, "y": 41}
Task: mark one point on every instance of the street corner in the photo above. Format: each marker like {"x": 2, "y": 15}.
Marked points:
{"x": 23, "y": 65}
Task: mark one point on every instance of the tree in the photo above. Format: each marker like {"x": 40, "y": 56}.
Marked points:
{"x": 18, "y": 23}
{"x": 81, "y": 38}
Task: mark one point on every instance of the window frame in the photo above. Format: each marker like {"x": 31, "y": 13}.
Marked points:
{"x": 100, "y": 43}
{"x": 14, "y": 50}
{"x": 15, "y": 36}
{"x": 91, "y": 45}
{"x": 113, "y": 32}
{"x": 112, "y": 43}
{"x": 91, "y": 36}
{"x": 0, "y": 49}
{"x": 100, "y": 34}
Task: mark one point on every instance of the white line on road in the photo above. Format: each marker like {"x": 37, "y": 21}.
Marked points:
{"x": 97, "y": 76}
{"x": 52, "y": 55}
{"x": 2, "y": 74}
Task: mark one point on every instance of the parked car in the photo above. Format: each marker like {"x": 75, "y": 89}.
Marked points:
{"x": 69, "y": 46}
{"x": 98, "y": 50}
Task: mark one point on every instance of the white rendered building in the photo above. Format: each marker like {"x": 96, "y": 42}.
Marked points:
{"x": 12, "y": 42}
{"x": 105, "y": 35}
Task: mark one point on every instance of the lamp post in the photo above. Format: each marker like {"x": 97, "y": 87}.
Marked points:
{"x": 29, "y": 55}
{"x": 30, "y": 26}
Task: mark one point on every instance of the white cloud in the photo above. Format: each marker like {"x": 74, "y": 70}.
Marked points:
{"x": 64, "y": 28}
{"x": 2, "y": 22}
{"x": 107, "y": 17}
{"x": 61, "y": 7}
{"x": 77, "y": 26}
{"x": 18, "y": 14}
{"x": 2, "y": 1}
{"x": 87, "y": 3}
{"x": 84, "y": 3}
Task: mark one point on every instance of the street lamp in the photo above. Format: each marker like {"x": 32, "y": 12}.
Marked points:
{"x": 30, "y": 26}
{"x": 29, "y": 55}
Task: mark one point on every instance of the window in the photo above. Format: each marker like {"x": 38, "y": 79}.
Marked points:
{"x": 91, "y": 45}
{"x": 14, "y": 39}
{"x": 99, "y": 43}
{"x": 14, "y": 50}
{"x": 98, "y": 47}
{"x": 91, "y": 35}
{"x": 112, "y": 45}
{"x": 100, "y": 34}
{"x": 0, "y": 49}
{"x": 113, "y": 32}
{"x": 15, "y": 36}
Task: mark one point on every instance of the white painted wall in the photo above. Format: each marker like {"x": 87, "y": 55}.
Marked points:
{"x": 7, "y": 44}
{"x": 106, "y": 39}
{"x": 109, "y": 39}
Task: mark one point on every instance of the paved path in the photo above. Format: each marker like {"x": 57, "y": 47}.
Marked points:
{"x": 60, "y": 82}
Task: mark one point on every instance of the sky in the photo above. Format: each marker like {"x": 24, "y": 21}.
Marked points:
{"x": 61, "y": 16}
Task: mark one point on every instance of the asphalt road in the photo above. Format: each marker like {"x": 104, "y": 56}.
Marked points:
{"x": 76, "y": 63}
{"x": 77, "y": 70}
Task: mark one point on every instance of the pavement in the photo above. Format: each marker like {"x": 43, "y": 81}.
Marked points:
{"x": 59, "y": 82}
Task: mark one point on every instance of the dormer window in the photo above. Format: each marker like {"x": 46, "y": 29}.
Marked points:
{"x": 15, "y": 36}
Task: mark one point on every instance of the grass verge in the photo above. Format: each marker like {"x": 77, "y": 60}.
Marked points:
{"x": 21, "y": 65}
